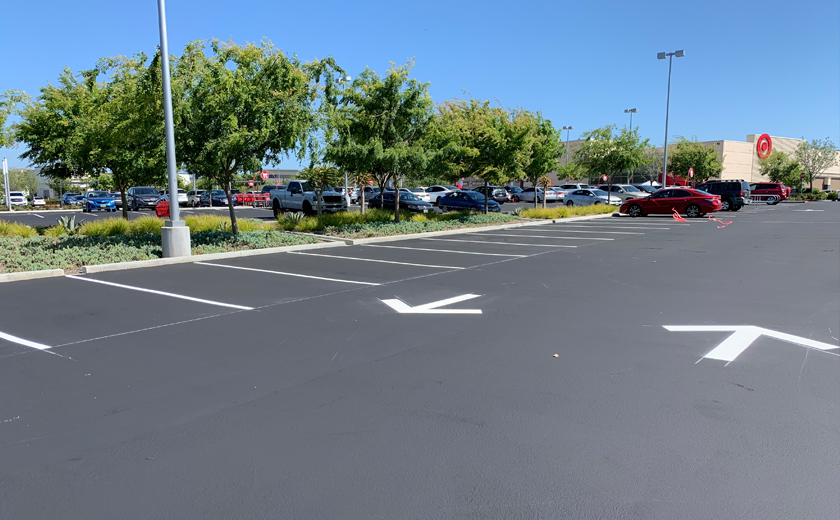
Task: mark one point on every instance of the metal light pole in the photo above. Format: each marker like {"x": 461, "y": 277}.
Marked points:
{"x": 6, "y": 184}
{"x": 567, "y": 129}
{"x": 175, "y": 235}
{"x": 345, "y": 80}
{"x": 631, "y": 111}
{"x": 670, "y": 56}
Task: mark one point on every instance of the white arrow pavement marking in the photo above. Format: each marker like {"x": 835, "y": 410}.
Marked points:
{"x": 432, "y": 308}
{"x": 743, "y": 336}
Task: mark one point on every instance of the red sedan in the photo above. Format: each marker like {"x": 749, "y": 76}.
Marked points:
{"x": 692, "y": 203}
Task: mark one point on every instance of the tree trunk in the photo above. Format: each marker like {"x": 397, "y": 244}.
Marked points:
{"x": 545, "y": 196}
{"x": 396, "y": 201}
{"x": 234, "y": 227}
{"x": 811, "y": 179}
{"x": 124, "y": 202}
{"x": 318, "y": 197}
{"x": 609, "y": 190}
{"x": 486, "y": 197}
{"x": 362, "y": 199}
{"x": 536, "y": 196}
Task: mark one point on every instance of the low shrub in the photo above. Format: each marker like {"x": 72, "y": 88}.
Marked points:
{"x": 568, "y": 211}
{"x": 199, "y": 223}
{"x": 105, "y": 228}
{"x": 832, "y": 195}
{"x": 13, "y": 229}
{"x": 452, "y": 221}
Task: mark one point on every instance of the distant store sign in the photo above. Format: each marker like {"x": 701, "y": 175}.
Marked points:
{"x": 764, "y": 146}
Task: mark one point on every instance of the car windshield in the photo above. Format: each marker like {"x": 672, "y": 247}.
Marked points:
{"x": 474, "y": 195}
{"x": 632, "y": 189}
{"x": 218, "y": 193}
{"x": 404, "y": 195}
{"x": 97, "y": 194}
{"x": 145, "y": 191}
{"x": 451, "y": 188}
{"x": 416, "y": 190}
{"x": 599, "y": 193}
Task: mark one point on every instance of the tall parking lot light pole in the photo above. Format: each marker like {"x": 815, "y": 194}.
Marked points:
{"x": 631, "y": 111}
{"x": 568, "y": 129}
{"x": 670, "y": 56}
{"x": 346, "y": 80}
{"x": 175, "y": 235}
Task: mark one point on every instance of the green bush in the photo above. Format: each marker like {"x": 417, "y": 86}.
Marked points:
{"x": 451, "y": 221}
{"x": 832, "y": 195}
{"x": 13, "y": 229}
{"x": 568, "y": 211}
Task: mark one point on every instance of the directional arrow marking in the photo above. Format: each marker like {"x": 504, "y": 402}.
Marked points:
{"x": 432, "y": 308}
{"x": 743, "y": 336}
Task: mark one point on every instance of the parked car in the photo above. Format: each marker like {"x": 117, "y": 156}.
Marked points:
{"x": 467, "y": 201}
{"x": 140, "y": 197}
{"x": 734, "y": 195}
{"x": 497, "y": 193}
{"x": 370, "y": 192}
{"x": 647, "y": 188}
{"x": 590, "y": 197}
{"x": 623, "y": 191}
{"x": 268, "y": 187}
{"x": 182, "y": 197}
{"x": 194, "y": 197}
{"x": 437, "y": 191}
{"x": 300, "y": 196}
{"x": 99, "y": 201}
{"x": 408, "y": 201}
{"x": 513, "y": 193}
{"x": 769, "y": 192}
{"x": 65, "y": 199}
{"x": 38, "y": 201}
{"x": 351, "y": 193}
{"x": 218, "y": 198}
{"x": 527, "y": 195}
{"x": 16, "y": 198}
{"x": 76, "y": 200}
{"x": 420, "y": 193}
{"x": 691, "y": 202}
{"x": 568, "y": 188}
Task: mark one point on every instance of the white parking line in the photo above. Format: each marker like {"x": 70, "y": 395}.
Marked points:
{"x": 444, "y": 250}
{"x": 581, "y": 226}
{"x": 287, "y": 274}
{"x": 375, "y": 260}
{"x": 24, "y": 342}
{"x": 500, "y": 243}
{"x": 37, "y": 215}
{"x": 538, "y": 236}
{"x": 593, "y": 231}
{"x": 171, "y": 295}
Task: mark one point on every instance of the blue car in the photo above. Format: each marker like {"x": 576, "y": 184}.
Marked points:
{"x": 467, "y": 201}
{"x": 219, "y": 198}
{"x": 98, "y": 200}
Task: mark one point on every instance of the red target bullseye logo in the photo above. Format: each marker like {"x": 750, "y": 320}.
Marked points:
{"x": 764, "y": 146}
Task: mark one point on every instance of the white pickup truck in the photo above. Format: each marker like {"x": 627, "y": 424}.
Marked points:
{"x": 299, "y": 196}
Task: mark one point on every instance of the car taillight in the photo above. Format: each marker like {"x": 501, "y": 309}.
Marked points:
{"x": 741, "y": 193}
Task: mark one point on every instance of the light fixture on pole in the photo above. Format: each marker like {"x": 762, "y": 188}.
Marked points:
{"x": 345, "y": 80}
{"x": 175, "y": 235}
{"x": 567, "y": 129}
{"x": 670, "y": 56}
{"x": 631, "y": 111}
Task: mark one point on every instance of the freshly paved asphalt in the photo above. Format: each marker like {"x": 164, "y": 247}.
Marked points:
{"x": 323, "y": 402}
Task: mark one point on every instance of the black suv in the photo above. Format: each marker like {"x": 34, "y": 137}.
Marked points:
{"x": 140, "y": 197}
{"x": 497, "y": 193}
{"x": 733, "y": 194}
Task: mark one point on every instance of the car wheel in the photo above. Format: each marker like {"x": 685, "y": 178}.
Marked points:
{"x": 725, "y": 205}
{"x": 635, "y": 211}
{"x": 515, "y": 198}
{"x": 570, "y": 203}
{"x": 736, "y": 208}
{"x": 307, "y": 208}
{"x": 443, "y": 207}
{"x": 275, "y": 208}
{"x": 693, "y": 211}
{"x": 597, "y": 203}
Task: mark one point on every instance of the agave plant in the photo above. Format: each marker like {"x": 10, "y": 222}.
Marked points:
{"x": 69, "y": 224}
{"x": 292, "y": 218}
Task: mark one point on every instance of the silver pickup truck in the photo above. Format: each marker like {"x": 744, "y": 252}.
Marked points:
{"x": 299, "y": 196}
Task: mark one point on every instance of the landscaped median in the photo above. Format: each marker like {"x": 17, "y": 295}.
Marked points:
{"x": 114, "y": 240}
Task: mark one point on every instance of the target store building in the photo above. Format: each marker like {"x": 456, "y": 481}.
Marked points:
{"x": 741, "y": 159}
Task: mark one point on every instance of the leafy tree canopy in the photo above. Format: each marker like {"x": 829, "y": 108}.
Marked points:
{"x": 687, "y": 154}
{"x": 816, "y": 157}
{"x": 780, "y": 167}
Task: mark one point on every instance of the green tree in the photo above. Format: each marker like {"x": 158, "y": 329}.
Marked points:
{"x": 381, "y": 127}
{"x": 474, "y": 139}
{"x": 246, "y": 105}
{"x": 780, "y": 167}
{"x": 650, "y": 170}
{"x": 24, "y": 180}
{"x": 573, "y": 171}
{"x": 11, "y": 103}
{"x": 542, "y": 145}
{"x": 607, "y": 154}
{"x": 816, "y": 157}
{"x": 687, "y": 154}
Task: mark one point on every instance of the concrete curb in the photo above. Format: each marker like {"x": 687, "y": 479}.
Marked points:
{"x": 30, "y": 275}
{"x": 89, "y": 269}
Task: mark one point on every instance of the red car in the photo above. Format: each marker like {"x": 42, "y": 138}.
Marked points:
{"x": 769, "y": 192}
{"x": 692, "y": 203}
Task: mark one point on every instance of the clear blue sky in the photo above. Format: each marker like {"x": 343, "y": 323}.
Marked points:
{"x": 770, "y": 67}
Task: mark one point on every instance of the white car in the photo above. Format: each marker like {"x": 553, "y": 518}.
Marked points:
{"x": 419, "y": 193}
{"x": 182, "y": 197}
{"x": 193, "y": 197}
{"x": 527, "y": 195}
{"x": 436, "y": 192}
{"x": 568, "y": 188}
{"x": 16, "y": 198}
{"x": 38, "y": 201}
{"x": 590, "y": 197}
{"x": 624, "y": 191}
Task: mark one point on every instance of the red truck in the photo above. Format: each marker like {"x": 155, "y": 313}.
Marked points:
{"x": 769, "y": 192}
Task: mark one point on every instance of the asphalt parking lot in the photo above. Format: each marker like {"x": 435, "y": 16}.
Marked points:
{"x": 608, "y": 368}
